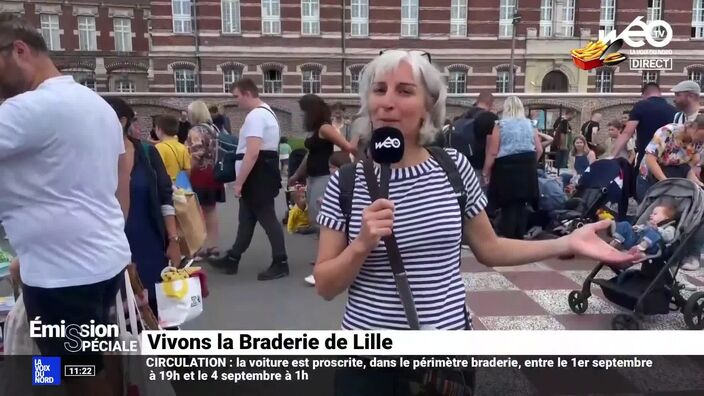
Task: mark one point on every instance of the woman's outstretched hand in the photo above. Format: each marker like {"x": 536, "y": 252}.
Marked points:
{"x": 585, "y": 242}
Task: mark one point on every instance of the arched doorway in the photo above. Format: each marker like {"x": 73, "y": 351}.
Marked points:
{"x": 555, "y": 81}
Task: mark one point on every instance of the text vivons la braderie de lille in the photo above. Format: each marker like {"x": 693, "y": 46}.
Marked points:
{"x": 369, "y": 341}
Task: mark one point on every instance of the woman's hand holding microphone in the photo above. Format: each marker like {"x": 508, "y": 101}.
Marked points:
{"x": 377, "y": 222}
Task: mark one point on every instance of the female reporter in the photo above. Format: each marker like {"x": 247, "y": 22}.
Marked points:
{"x": 403, "y": 90}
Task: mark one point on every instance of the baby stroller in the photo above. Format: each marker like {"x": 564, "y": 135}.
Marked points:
{"x": 652, "y": 290}
{"x": 602, "y": 187}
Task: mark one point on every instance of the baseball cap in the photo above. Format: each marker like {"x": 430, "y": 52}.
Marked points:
{"x": 687, "y": 86}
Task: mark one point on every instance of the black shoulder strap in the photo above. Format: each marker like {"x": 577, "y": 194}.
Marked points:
{"x": 392, "y": 250}
{"x": 453, "y": 174}
{"x": 347, "y": 180}
{"x": 270, "y": 111}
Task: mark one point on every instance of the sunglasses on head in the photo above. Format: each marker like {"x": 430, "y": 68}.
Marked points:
{"x": 424, "y": 54}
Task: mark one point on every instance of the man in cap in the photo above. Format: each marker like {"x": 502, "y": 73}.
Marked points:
{"x": 687, "y": 101}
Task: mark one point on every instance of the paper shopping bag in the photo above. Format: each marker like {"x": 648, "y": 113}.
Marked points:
{"x": 190, "y": 222}
{"x": 135, "y": 379}
{"x": 16, "y": 334}
{"x": 178, "y": 301}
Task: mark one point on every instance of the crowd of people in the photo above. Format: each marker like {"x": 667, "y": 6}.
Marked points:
{"x": 68, "y": 155}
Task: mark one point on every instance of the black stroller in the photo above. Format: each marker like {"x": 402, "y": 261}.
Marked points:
{"x": 653, "y": 290}
{"x": 602, "y": 187}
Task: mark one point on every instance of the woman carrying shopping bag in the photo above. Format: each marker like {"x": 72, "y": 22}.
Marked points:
{"x": 151, "y": 224}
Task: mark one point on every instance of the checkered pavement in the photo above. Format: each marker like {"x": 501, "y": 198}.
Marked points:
{"x": 670, "y": 375}
{"x": 534, "y": 297}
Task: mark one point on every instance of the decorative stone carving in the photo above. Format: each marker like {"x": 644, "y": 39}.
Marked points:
{"x": 85, "y": 11}
{"x": 54, "y": 9}
{"x": 121, "y": 13}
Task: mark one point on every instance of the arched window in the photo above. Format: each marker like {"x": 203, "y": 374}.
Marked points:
{"x": 184, "y": 80}
{"x": 125, "y": 85}
{"x": 604, "y": 80}
{"x": 311, "y": 81}
{"x": 229, "y": 77}
{"x": 457, "y": 81}
{"x": 555, "y": 81}
{"x": 272, "y": 81}
{"x": 697, "y": 75}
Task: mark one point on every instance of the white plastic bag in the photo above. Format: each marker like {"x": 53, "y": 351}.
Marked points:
{"x": 135, "y": 379}
{"x": 178, "y": 301}
{"x": 16, "y": 333}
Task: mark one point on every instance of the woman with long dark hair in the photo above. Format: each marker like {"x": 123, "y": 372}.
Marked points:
{"x": 317, "y": 119}
{"x": 150, "y": 226}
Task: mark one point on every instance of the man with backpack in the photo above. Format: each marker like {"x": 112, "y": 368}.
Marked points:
{"x": 469, "y": 132}
{"x": 258, "y": 181}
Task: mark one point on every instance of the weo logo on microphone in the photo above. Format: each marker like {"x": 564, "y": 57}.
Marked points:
{"x": 387, "y": 145}
{"x": 389, "y": 142}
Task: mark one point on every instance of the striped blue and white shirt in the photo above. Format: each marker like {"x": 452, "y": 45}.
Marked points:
{"x": 428, "y": 228}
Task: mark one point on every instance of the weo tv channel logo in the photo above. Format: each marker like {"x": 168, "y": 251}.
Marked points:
{"x": 91, "y": 337}
{"x": 389, "y": 142}
{"x": 46, "y": 370}
{"x": 657, "y": 33}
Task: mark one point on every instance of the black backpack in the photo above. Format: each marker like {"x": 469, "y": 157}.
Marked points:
{"x": 462, "y": 135}
{"x": 348, "y": 173}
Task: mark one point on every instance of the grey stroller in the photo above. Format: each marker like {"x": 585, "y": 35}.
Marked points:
{"x": 652, "y": 289}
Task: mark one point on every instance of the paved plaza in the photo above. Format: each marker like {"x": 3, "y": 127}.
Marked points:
{"x": 532, "y": 296}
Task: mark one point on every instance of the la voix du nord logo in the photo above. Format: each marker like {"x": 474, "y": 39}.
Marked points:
{"x": 605, "y": 50}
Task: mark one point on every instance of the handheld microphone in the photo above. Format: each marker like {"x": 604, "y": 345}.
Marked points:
{"x": 387, "y": 148}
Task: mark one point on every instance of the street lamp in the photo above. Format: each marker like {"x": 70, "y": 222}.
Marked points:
{"x": 511, "y": 74}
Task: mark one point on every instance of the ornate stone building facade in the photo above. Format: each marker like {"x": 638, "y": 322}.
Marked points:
{"x": 103, "y": 44}
{"x": 298, "y": 46}
{"x": 286, "y": 106}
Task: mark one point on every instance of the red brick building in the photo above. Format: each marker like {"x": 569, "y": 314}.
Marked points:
{"x": 103, "y": 44}
{"x": 295, "y": 46}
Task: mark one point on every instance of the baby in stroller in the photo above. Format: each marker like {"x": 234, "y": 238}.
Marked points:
{"x": 660, "y": 228}
{"x": 673, "y": 212}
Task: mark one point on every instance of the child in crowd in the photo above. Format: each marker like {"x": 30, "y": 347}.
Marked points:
{"x": 174, "y": 153}
{"x": 298, "y": 222}
{"x": 336, "y": 161}
{"x": 615, "y": 128}
{"x": 647, "y": 237}
{"x": 581, "y": 157}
